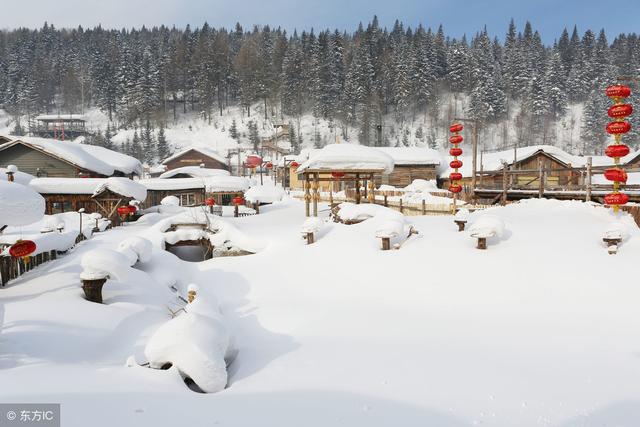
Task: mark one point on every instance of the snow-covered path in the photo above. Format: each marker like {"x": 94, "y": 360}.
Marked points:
{"x": 533, "y": 331}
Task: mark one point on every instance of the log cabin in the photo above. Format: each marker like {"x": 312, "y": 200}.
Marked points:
{"x": 196, "y": 156}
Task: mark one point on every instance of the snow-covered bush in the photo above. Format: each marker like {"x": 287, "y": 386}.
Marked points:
{"x": 196, "y": 343}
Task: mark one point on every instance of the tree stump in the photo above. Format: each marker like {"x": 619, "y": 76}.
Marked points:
{"x": 236, "y": 211}
{"x": 461, "y": 223}
{"x": 93, "y": 289}
{"x": 386, "y": 243}
{"x": 482, "y": 243}
{"x": 310, "y": 238}
{"x": 612, "y": 244}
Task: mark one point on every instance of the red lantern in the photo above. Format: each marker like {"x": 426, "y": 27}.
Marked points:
{"x": 132, "y": 209}
{"x": 455, "y": 188}
{"x": 456, "y": 127}
{"x": 238, "y": 201}
{"x": 123, "y": 210}
{"x": 455, "y": 176}
{"x": 210, "y": 201}
{"x": 22, "y": 248}
{"x": 615, "y": 199}
{"x": 618, "y": 91}
{"x": 455, "y": 164}
{"x": 617, "y": 128}
{"x": 455, "y": 151}
{"x": 295, "y": 164}
{"x": 253, "y": 161}
{"x": 269, "y": 165}
{"x": 337, "y": 174}
{"x": 455, "y": 139}
{"x": 620, "y": 110}
{"x": 617, "y": 150}
{"x": 616, "y": 174}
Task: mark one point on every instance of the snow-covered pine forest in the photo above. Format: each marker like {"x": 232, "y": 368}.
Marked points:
{"x": 408, "y": 82}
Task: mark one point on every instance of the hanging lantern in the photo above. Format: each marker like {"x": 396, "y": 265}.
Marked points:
{"x": 123, "y": 211}
{"x": 620, "y": 110}
{"x": 455, "y": 176}
{"x": 618, "y": 128}
{"x": 455, "y": 188}
{"x": 269, "y": 165}
{"x": 210, "y": 201}
{"x": 455, "y": 151}
{"x": 238, "y": 201}
{"x": 618, "y": 150}
{"x": 616, "y": 174}
{"x": 132, "y": 209}
{"x": 22, "y": 248}
{"x": 294, "y": 164}
{"x": 618, "y": 91}
{"x": 616, "y": 199}
{"x": 455, "y": 164}
{"x": 456, "y": 139}
{"x": 337, "y": 174}
{"x": 456, "y": 127}
{"x": 253, "y": 161}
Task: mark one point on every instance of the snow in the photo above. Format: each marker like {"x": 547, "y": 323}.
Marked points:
{"x": 93, "y": 158}
{"x": 19, "y": 177}
{"x": 215, "y": 184}
{"x": 124, "y": 187}
{"x": 196, "y": 343}
{"x": 412, "y": 155}
{"x": 19, "y": 204}
{"x": 486, "y": 226}
{"x": 61, "y": 116}
{"x": 170, "y": 201}
{"x": 139, "y": 245}
{"x": 172, "y": 184}
{"x": 200, "y": 148}
{"x": 100, "y": 263}
{"x": 194, "y": 172}
{"x": 539, "y": 330}
{"x": 267, "y": 193}
{"x": 348, "y": 157}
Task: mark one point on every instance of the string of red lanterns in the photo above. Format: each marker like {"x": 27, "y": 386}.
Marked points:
{"x": 455, "y": 151}
{"x": 618, "y": 127}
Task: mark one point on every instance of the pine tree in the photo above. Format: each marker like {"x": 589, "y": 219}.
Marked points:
{"x": 233, "y": 130}
{"x": 162, "y": 144}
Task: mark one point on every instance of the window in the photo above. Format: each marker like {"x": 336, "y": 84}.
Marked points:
{"x": 188, "y": 199}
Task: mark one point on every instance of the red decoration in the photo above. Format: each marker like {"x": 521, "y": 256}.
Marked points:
{"x": 456, "y": 127}
{"x": 455, "y": 164}
{"x": 337, "y": 174}
{"x": 295, "y": 164}
{"x": 619, "y": 150}
{"x": 123, "y": 210}
{"x": 455, "y": 151}
{"x": 455, "y": 176}
{"x": 132, "y": 209}
{"x": 616, "y": 199}
{"x": 617, "y": 128}
{"x": 616, "y": 174}
{"x": 620, "y": 110}
{"x": 22, "y": 248}
{"x": 238, "y": 201}
{"x": 455, "y": 188}
{"x": 210, "y": 201}
{"x": 269, "y": 165}
{"x": 456, "y": 139}
{"x": 253, "y": 161}
{"x": 618, "y": 91}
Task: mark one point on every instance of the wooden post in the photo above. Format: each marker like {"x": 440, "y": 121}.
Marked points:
{"x": 316, "y": 193}
{"x": 482, "y": 243}
{"x": 460, "y": 223}
{"x": 357, "y": 189}
{"x": 256, "y": 207}
{"x": 310, "y": 238}
{"x": 371, "y": 195}
{"x": 474, "y": 159}
{"x": 307, "y": 195}
{"x": 540, "y": 179}
{"x": 424, "y": 207}
{"x": 93, "y": 289}
{"x": 386, "y": 205}
{"x": 236, "y": 211}
{"x": 386, "y": 243}
{"x": 588, "y": 180}
{"x": 505, "y": 183}
{"x": 401, "y": 207}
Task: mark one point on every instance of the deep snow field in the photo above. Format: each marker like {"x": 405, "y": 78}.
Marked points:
{"x": 541, "y": 329}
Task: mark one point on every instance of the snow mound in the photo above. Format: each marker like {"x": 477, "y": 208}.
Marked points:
{"x": 170, "y": 201}
{"x": 351, "y": 212}
{"x": 124, "y": 187}
{"x": 100, "y": 263}
{"x": 616, "y": 230}
{"x": 264, "y": 194}
{"x": 349, "y": 157}
{"x": 312, "y": 225}
{"x": 194, "y": 172}
{"x": 19, "y": 177}
{"x": 487, "y": 226}
{"x": 19, "y": 205}
{"x": 391, "y": 227}
{"x": 462, "y": 214}
{"x": 139, "y": 245}
{"x": 196, "y": 343}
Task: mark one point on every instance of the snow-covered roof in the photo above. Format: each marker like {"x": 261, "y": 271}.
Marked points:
{"x": 160, "y": 184}
{"x": 194, "y": 172}
{"x": 122, "y": 186}
{"x": 348, "y": 157}
{"x": 412, "y": 155}
{"x": 19, "y": 204}
{"x": 209, "y": 152}
{"x": 97, "y": 159}
{"x": 226, "y": 183}
{"x": 19, "y": 177}
{"x": 49, "y": 117}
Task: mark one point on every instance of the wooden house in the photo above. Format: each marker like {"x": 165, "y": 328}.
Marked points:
{"x": 190, "y": 191}
{"x": 65, "y": 159}
{"x": 62, "y": 127}
{"x": 102, "y": 195}
{"x": 410, "y": 163}
{"x": 196, "y": 156}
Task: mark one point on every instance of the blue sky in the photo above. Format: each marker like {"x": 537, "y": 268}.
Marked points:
{"x": 458, "y": 17}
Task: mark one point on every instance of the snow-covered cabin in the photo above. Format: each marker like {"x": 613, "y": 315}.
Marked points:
{"x": 196, "y": 155}
{"x": 410, "y": 163}
{"x": 43, "y": 157}
{"x": 190, "y": 191}
{"x": 193, "y": 172}
{"x": 102, "y": 195}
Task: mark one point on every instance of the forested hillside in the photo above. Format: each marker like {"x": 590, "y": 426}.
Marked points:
{"x": 355, "y": 83}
